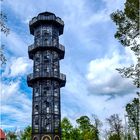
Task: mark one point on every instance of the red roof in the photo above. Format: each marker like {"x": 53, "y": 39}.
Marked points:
{"x": 2, "y": 134}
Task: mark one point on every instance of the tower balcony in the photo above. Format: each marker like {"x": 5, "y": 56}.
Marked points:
{"x": 31, "y": 78}
{"x": 59, "y": 48}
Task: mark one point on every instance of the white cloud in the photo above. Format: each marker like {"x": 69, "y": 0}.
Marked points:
{"x": 23, "y": 8}
{"x": 104, "y": 79}
{"x": 17, "y": 66}
{"x": 8, "y": 90}
{"x": 78, "y": 101}
{"x": 20, "y": 66}
{"x": 16, "y": 44}
{"x": 15, "y": 105}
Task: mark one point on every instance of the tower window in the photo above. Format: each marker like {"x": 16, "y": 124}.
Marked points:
{"x": 56, "y": 110}
{"x": 36, "y": 109}
{"x": 36, "y": 91}
{"x": 48, "y": 110}
{"x": 36, "y": 121}
{"x": 56, "y": 92}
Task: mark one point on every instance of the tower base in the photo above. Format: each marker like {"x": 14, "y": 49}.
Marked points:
{"x": 45, "y": 137}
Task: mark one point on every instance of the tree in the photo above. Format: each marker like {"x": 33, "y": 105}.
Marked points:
{"x": 114, "y": 137}
{"x": 87, "y": 130}
{"x": 66, "y": 129}
{"x": 11, "y": 135}
{"x": 84, "y": 123}
{"x": 127, "y": 23}
{"x": 97, "y": 125}
{"x": 26, "y": 135}
{"x": 75, "y": 134}
{"x": 3, "y": 26}
{"x": 84, "y": 131}
{"x": 115, "y": 124}
{"x": 133, "y": 114}
{"x": 2, "y": 56}
{"x": 84, "y": 127}
{"x": 5, "y": 30}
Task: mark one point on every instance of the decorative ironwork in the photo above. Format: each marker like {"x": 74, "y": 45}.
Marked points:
{"x": 46, "y": 79}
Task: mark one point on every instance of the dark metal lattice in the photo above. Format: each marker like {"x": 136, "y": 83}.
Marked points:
{"x": 46, "y": 79}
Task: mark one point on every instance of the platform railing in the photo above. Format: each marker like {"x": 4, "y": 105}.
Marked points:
{"x": 30, "y": 77}
{"x": 44, "y": 17}
{"x": 60, "y": 46}
{"x": 62, "y": 76}
{"x": 49, "y": 75}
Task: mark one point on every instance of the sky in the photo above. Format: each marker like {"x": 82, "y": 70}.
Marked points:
{"x": 92, "y": 55}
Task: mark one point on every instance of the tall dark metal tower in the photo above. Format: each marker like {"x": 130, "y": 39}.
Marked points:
{"x": 46, "y": 79}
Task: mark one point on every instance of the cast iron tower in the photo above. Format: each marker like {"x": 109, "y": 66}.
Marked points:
{"x": 46, "y": 79}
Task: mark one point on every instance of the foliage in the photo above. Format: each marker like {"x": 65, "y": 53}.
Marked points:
{"x": 84, "y": 131}
{"x": 114, "y": 137}
{"x": 5, "y": 30}
{"x": 133, "y": 113}
{"x": 97, "y": 126}
{"x": 66, "y": 129}
{"x": 127, "y": 23}
{"x": 75, "y": 134}
{"x": 11, "y": 136}
{"x": 26, "y": 135}
{"x": 2, "y": 56}
{"x": 3, "y": 26}
{"x": 88, "y": 130}
{"x": 115, "y": 124}
{"x": 84, "y": 123}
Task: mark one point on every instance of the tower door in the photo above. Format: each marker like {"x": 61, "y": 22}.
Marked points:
{"x": 46, "y": 137}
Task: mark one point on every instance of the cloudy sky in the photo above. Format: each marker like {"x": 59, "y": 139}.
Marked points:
{"x": 92, "y": 55}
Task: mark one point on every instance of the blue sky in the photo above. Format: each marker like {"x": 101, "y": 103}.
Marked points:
{"x": 92, "y": 55}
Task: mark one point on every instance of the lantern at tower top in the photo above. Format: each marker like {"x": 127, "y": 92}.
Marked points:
{"x": 46, "y": 18}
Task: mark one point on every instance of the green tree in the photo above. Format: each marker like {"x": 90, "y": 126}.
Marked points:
{"x": 115, "y": 124}
{"x": 97, "y": 125}
{"x": 75, "y": 134}
{"x": 84, "y": 126}
{"x": 11, "y": 135}
{"x": 66, "y": 129}
{"x": 84, "y": 123}
{"x": 114, "y": 137}
{"x": 133, "y": 113}
{"x": 87, "y": 130}
{"x": 127, "y": 23}
{"x": 26, "y": 135}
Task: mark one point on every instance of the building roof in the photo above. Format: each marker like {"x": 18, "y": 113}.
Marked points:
{"x": 2, "y": 134}
{"x": 46, "y": 13}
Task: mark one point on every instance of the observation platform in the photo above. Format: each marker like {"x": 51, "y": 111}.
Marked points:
{"x": 31, "y": 78}
{"x": 58, "y": 48}
{"x": 46, "y": 18}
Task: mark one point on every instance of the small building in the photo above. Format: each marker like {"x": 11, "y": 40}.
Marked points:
{"x": 2, "y": 135}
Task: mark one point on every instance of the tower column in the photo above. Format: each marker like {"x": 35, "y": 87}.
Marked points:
{"x": 46, "y": 79}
